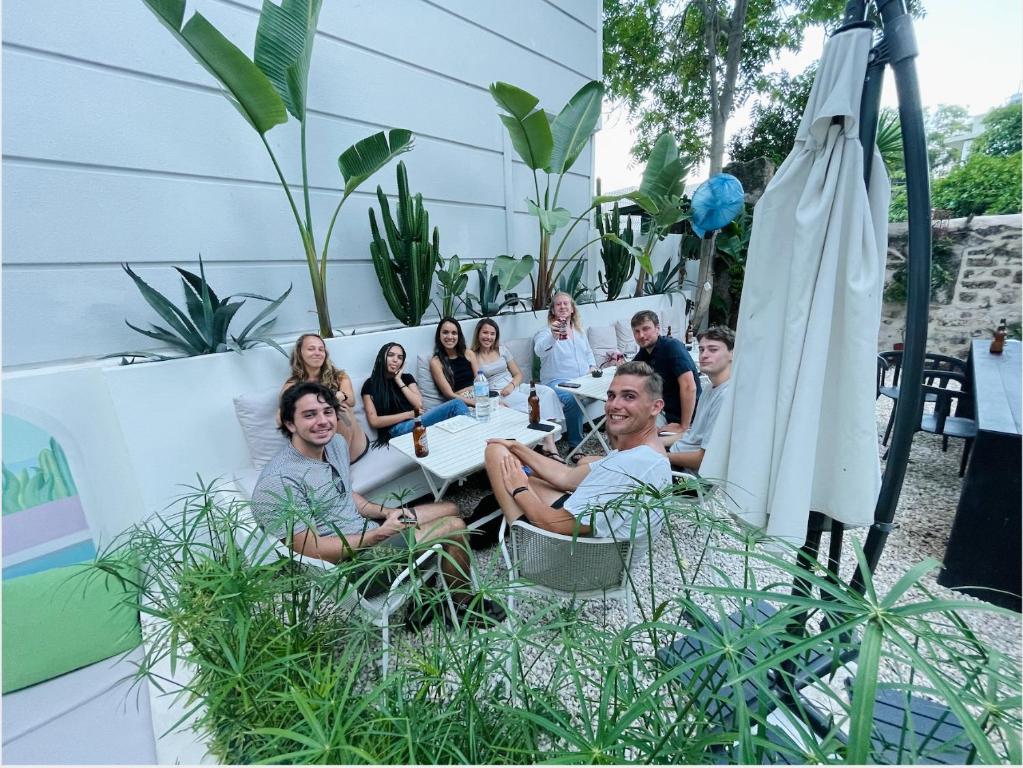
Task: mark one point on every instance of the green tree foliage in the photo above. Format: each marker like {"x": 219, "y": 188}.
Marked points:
{"x": 942, "y": 122}
{"x": 982, "y": 185}
{"x": 1003, "y": 127}
{"x": 774, "y": 119}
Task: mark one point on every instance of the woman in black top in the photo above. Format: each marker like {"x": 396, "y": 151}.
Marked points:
{"x": 452, "y": 365}
{"x": 391, "y": 397}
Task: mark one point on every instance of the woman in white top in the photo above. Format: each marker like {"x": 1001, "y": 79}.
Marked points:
{"x": 564, "y": 354}
{"x": 503, "y": 374}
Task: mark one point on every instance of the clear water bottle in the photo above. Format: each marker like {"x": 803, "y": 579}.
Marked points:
{"x": 481, "y": 391}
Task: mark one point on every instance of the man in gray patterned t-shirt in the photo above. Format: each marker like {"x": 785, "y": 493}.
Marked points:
{"x": 304, "y": 497}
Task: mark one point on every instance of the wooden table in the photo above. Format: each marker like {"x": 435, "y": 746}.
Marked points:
{"x": 456, "y": 455}
{"x": 590, "y": 388}
{"x": 983, "y": 550}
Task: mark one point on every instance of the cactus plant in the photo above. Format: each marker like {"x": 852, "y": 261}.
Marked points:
{"x": 619, "y": 263}
{"x": 405, "y": 261}
{"x": 49, "y": 481}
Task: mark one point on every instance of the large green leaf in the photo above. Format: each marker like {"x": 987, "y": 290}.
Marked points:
{"x": 574, "y": 125}
{"x": 665, "y": 172}
{"x": 366, "y": 157}
{"x": 528, "y": 127}
{"x": 248, "y": 88}
{"x": 551, "y": 221}
{"x": 284, "y": 48}
{"x": 510, "y": 271}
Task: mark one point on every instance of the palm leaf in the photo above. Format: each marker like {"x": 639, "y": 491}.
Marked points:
{"x": 250, "y": 90}
{"x": 665, "y": 172}
{"x": 889, "y": 139}
{"x": 284, "y": 48}
{"x": 366, "y": 157}
{"x": 574, "y": 125}
{"x": 529, "y": 128}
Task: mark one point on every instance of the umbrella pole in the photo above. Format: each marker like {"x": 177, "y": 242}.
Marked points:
{"x": 900, "y": 43}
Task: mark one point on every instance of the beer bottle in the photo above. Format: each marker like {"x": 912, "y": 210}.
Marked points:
{"x": 998, "y": 342}
{"x": 534, "y": 404}
{"x": 419, "y": 437}
{"x": 689, "y": 335}
{"x": 669, "y": 331}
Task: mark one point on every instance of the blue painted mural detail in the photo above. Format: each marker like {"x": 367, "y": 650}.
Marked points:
{"x": 44, "y": 525}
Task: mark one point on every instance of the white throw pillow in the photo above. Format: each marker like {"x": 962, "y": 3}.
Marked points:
{"x": 521, "y": 351}
{"x": 603, "y": 340}
{"x": 257, "y": 413}
{"x": 424, "y": 380}
{"x": 626, "y": 341}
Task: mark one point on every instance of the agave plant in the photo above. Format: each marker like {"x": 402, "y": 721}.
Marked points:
{"x": 269, "y": 86}
{"x": 405, "y": 260}
{"x": 508, "y": 272}
{"x": 202, "y": 328}
{"x": 572, "y": 284}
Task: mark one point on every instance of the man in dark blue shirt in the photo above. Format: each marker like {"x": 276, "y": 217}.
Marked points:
{"x": 669, "y": 358}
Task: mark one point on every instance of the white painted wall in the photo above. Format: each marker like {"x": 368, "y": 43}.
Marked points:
{"x": 118, "y": 147}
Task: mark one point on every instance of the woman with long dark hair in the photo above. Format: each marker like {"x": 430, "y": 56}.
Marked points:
{"x": 453, "y": 366}
{"x": 391, "y": 397}
{"x": 310, "y": 361}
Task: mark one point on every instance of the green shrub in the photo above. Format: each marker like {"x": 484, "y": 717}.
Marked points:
{"x": 982, "y": 185}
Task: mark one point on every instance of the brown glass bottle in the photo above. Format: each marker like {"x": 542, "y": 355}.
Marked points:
{"x": 669, "y": 331}
{"x": 689, "y": 334}
{"x": 998, "y": 342}
{"x": 419, "y": 437}
{"x": 534, "y": 404}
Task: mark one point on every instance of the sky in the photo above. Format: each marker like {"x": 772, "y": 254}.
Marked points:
{"x": 971, "y": 53}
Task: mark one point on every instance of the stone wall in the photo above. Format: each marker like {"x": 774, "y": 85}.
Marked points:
{"x": 982, "y": 257}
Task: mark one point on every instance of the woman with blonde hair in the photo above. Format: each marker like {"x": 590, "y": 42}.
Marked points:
{"x": 564, "y": 354}
{"x": 310, "y": 361}
{"x": 504, "y": 375}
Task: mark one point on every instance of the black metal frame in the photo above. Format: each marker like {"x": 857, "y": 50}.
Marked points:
{"x": 898, "y": 50}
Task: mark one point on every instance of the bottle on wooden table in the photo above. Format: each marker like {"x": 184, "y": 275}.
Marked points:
{"x": 481, "y": 394}
{"x": 419, "y": 436}
{"x": 998, "y": 342}
{"x": 534, "y": 404}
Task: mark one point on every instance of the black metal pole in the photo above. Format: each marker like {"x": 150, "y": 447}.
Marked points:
{"x": 902, "y": 51}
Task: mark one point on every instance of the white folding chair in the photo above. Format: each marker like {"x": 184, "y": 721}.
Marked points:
{"x": 552, "y": 564}
{"x": 260, "y": 547}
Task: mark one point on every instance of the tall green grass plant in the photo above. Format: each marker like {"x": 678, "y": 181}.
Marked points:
{"x": 285, "y": 678}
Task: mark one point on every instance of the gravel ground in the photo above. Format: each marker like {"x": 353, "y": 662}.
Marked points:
{"x": 922, "y": 524}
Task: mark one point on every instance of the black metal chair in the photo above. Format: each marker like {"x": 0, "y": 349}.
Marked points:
{"x": 944, "y": 420}
{"x": 932, "y": 362}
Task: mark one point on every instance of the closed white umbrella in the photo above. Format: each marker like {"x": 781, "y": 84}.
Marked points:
{"x": 797, "y": 431}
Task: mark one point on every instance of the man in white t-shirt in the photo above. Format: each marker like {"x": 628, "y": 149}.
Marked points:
{"x": 716, "y": 345}
{"x": 571, "y": 500}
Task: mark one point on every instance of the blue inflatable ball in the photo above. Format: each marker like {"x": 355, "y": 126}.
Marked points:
{"x": 716, "y": 203}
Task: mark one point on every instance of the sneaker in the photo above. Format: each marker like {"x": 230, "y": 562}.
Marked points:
{"x": 479, "y": 612}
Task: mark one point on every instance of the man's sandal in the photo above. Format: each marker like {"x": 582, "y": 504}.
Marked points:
{"x": 549, "y": 454}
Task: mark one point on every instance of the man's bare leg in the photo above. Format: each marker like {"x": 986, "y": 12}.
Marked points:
{"x": 548, "y": 494}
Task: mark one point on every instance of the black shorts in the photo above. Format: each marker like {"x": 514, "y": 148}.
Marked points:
{"x": 559, "y": 503}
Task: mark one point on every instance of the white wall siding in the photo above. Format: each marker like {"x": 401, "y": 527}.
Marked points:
{"x": 118, "y": 147}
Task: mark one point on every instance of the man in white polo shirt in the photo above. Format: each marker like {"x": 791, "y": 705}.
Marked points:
{"x": 571, "y": 500}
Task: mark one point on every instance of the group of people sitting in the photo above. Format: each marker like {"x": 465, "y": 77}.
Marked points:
{"x": 656, "y": 418}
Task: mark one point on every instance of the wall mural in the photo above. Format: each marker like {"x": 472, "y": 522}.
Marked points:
{"x": 44, "y": 525}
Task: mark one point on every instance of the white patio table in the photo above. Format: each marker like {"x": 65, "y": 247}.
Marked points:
{"x": 590, "y": 388}
{"x": 456, "y": 454}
